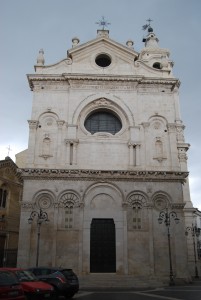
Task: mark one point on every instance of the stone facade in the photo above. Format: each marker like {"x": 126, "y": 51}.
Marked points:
{"x": 10, "y": 198}
{"x": 80, "y": 175}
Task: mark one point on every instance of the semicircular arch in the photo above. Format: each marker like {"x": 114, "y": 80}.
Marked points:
{"x": 103, "y": 101}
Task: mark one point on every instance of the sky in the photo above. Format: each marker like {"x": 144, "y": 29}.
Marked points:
{"x": 26, "y": 26}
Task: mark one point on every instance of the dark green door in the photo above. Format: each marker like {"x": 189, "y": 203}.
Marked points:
{"x": 102, "y": 246}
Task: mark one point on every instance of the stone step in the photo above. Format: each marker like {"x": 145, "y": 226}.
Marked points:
{"x": 108, "y": 280}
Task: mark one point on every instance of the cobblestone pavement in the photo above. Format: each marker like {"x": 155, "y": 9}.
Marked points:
{"x": 190, "y": 292}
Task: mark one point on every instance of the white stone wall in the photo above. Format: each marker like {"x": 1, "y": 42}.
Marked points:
{"x": 142, "y": 167}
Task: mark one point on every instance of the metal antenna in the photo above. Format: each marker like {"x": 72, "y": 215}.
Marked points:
{"x": 103, "y": 23}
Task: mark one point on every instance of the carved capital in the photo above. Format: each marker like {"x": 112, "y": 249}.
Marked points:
{"x": 33, "y": 124}
{"x": 72, "y": 141}
{"x": 146, "y": 125}
{"x": 60, "y": 123}
{"x": 171, "y": 127}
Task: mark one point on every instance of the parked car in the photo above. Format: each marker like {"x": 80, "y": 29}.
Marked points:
{"x": 10, "y": 288}
{"x": 65, "y": 281}
{"x": 34, "y": 289}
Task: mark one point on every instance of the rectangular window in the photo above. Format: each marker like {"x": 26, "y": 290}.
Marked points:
{"x": 137, "y": 218}
{"x": 68, "y": 217}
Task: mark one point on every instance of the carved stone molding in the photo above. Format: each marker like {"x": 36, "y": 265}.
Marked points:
{"x": 33, "y": 124}
{"x": 178, "y": 205}
{"x": 63, "y": 81}
{"x": 27, "y": 205}
{"x": 111, "y": 175}
{"x": 71, "y": 141}
{"x": 60, "y": 123}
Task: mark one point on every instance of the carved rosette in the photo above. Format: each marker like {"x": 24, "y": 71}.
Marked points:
{"x": 161, "y": 201}
{"x": 44, "y": 201}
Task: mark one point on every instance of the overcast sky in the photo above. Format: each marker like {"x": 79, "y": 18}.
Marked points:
{"x": 26, "y": 26}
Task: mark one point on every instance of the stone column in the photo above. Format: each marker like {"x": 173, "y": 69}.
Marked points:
{"x": 172, "y": 143}
{"x": 145, "y": 141}
{"x": 151, "y": 241}
{"x": 75, "y": 144}
{"x": 134, "y": 155}
{"x": 71, "y": 151}
{"x": 60, "y": 124}
{"x": 33, "y": 125}
{"x": 67, "y": 151}
{"x": 137, "y": 153}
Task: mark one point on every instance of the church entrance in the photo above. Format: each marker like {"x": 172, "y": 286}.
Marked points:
{"x": 102, "y": 246}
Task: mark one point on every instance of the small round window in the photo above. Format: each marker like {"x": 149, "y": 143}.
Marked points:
{"x": 103, "y": 121}
{"x": 103, "y": 60}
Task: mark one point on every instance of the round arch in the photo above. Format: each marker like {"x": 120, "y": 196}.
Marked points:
{"x": 103, "y": 101}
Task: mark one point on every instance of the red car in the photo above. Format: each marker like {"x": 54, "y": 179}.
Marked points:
{"x": 32, "y": 287}
{"x": 10, "y": 288}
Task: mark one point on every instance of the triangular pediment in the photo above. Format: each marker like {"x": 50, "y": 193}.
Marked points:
{"x": 82, "y": 58}
{"x": 105, "y": 43}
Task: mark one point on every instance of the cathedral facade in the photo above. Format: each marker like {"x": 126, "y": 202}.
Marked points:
{"x": 106, "y": 161}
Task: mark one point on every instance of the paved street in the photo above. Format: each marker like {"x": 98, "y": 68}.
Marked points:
{"x": 190, "y": 292}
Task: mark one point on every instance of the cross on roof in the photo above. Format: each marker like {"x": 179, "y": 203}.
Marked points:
{"x": 9, "y": 149}
{"x": 144, "y": 27}
{"x": 103, "y": 23}
{"x": 149, "y": 20}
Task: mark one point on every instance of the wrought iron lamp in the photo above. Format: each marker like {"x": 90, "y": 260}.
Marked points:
{"x": 42, "y": 217}
{"x": 166, "y": 216}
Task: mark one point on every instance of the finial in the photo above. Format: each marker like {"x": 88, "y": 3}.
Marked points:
{"x": 103, "y": 23}
{"x": 75, "y": 41}
{"x": 144, "y": 27}
{"x": 40, "y": 58}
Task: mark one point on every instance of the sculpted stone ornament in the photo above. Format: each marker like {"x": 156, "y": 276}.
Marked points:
{"x": 33, "y": 124}
{"x": 40, "y": 58}
{"x": 114, "y": 175}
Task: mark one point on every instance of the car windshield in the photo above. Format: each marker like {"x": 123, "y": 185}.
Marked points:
{"x": 7, "y": 278}
{"x": 25, "y": 275}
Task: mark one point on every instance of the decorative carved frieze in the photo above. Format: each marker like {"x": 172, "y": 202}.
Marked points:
{"x": 41, "y": 81}
{"x": 178, "y": 205}
{"x": 27, "y": 205}
{"x": 112, "y": 175}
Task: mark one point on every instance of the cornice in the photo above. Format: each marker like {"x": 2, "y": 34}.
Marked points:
{"x": 34, "y": 78}
{"x": 112, "y": 175}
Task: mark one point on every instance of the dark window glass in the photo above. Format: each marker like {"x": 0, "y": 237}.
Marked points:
{"x": 103, "y": 60}
{"x": 103, "y": 121}
{"x": 3, "y": 196}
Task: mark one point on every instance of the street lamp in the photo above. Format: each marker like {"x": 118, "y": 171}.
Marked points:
{"x": 195, "y": 232}
{"x": 41, "y": 216}
{"x": 165, "y": 216}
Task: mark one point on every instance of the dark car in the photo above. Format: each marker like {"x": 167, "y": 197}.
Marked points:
{"x": 10, "y": 288}
{"x": 65, "y": 281}
{"x": 34, "y": 289}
